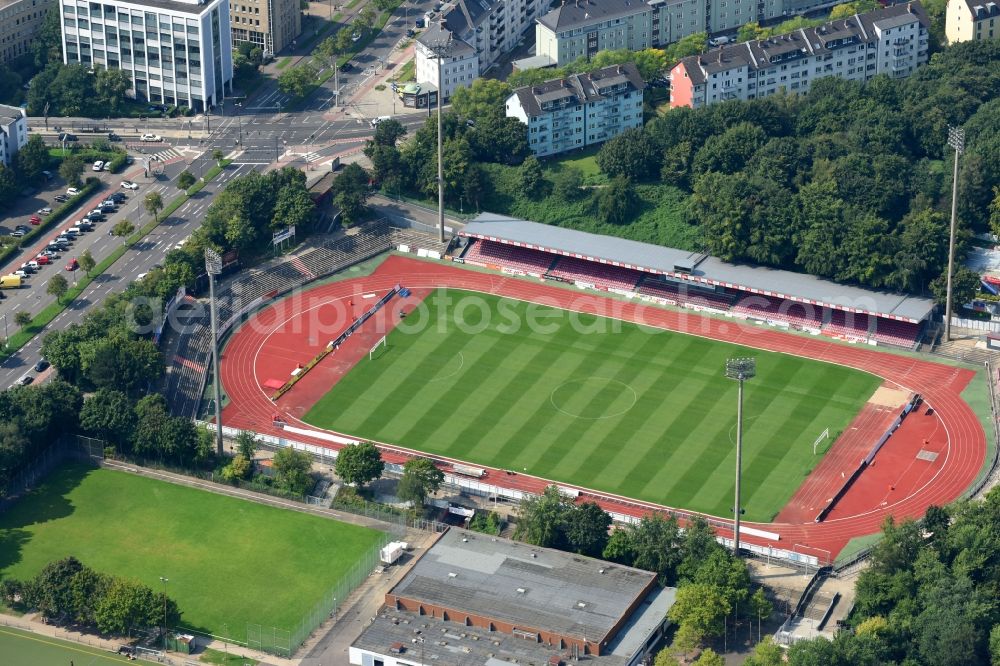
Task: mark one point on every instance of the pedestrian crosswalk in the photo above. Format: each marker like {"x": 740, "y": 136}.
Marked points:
{"x": 165, "y": 155}
{"x": 312, "y": 157}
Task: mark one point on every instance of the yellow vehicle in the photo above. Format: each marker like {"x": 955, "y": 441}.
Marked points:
{"x": 10, "y": 282}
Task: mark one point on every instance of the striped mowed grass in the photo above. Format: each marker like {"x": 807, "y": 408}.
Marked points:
{"x": 595, "y": 402}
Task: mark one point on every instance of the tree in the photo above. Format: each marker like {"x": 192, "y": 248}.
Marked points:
{"x": 238, "y": 468}
{"x": 497, "y": 138}
{"x": 298, "y": 80}
{"x": 217, "y": 155}
{"x": 631, "y": 154}
{"x": 530, "y": 175}
{"x": 71, "y": 169}
{"x": 8, "y": 186}
{"x": 32, "y": 159}
{"x": 246, "y": 444}
{"x": 710, "y": 658}
{"x": 566, "y": 183}
{"x": 665, "y": 658}
{"x": 388, "y": 132}
{"x": 110, "y": 87}
{"x": 46, "y": 45}
{"x": 359, "y": 464}
{"x": 327, "y": 51}
{"x": 122, "y": 229}
{"x": 760, "y": 607}
{"x": 108, "y": 414}
{"x": 751, "y": 31}
{"x": 185, "y": 180}
{"x": 57, "y": 286}
{"x": 421, "y": 477}
{"x": 153, "y": 203}
{"x": 129, "y": 605}
{"x": 292, "y": 470}
{"x": 22, "y": 318}
{"x": 485, "y": 97}
{"x": 616, "y": 201}
{"x": 699, "y": 610}
{"x": 120, "y": 362}
{"x": 293, "y": 208}
{"x": 766, "y": 653}
{"x": 51, "y": 590}
{"x": 995, "y": 212}
{"x": 541, "y": 519}
{"x": 350, "y": 193}
{"x": 87, "y": 262}
{"x": 365, "y": 19}
{"x": 964, "y": 287}
{"x": 586, "y": 528}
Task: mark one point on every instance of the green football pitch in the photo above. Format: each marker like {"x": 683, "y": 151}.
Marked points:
{"x": 595, "y": 402}
{"x": 228, "y": 562}
{"x": 22, "y": 648}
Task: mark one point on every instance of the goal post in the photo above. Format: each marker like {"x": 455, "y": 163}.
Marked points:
{"x": 381, "y": 343}
{"x": 823, "y": 435}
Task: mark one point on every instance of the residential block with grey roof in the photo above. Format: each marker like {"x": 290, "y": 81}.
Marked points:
{"x": 13, "y": 132}
{"x": 968, "y": 20}
{"x": 478, "y": 33}
{"x": 579, "y": 110}
{"x": 477, "y": 600}
{"x": 891, "y": 41}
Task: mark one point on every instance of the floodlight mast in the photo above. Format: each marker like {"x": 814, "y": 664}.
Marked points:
{"x": 956, "y": 140}
{"x": 213, "y": 266}
{"x": 740, "y": 369}
{"x": 440, "y": 48}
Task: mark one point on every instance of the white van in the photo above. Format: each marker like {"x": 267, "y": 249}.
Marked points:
{"x": 74, "y": 231}
{"x": 378, "y": 119}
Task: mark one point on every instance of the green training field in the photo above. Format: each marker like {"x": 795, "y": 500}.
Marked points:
{"x": 22, "y": 648}
{"x": 614, "y": 407}
{"x": 228, "y": 561}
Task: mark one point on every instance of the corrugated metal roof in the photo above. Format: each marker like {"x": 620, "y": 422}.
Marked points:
{"x": 707, "y": 269}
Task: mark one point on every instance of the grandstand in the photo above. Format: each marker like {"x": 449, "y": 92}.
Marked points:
{"x": 698, "y": 281}
{"x": 185, "y": 383}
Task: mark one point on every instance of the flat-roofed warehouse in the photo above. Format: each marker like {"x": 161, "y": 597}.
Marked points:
{"x": 477, "y": 600}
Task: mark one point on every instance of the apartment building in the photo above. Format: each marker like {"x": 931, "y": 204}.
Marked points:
{"x": 19, "y": 21}
{"x": 459, "y": 60}
{"x": 481, "y": 32}
{"x": 270, "y": 24}
{"x": 967, "y": 20}
{"x": 175, "y": 51}
{"x": 13, "y": 132}
{"x": 581, "y": 28}
{"x": 891, "y": 41}
{"x": 579, "y": 110}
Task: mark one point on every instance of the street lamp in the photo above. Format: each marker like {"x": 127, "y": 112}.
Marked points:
{"x": 956, "y": 140}
{"x": 164, "y": 581}
{"x": 740, "y": 369}
{"x": 440, "y": 48}
{"x": 213, "y": 266}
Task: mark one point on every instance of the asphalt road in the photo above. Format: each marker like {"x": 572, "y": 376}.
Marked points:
{"x": 139, "y": 259}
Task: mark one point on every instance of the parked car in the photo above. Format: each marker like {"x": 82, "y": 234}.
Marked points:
{"x": 21, "y": 273}
{"x": 85, "y": 226}
{"x": 67, "y": 137}
{"x": 23, "y": 228}
{"x": 129, "y": 185}
{"x": 17, "y": 233}
{"x": 61, "y": 198}
{"x": 41, "y": 260}
{"x": 150, "y": 137}
{"x": 27, "y": 268}
{"x": 119, "y": 197}
{"x": 23, "y": 381}
{"x": 98, "y": 165}
{"x": 346, "y": 67}
{"x": 72, "y": 265}
{"x": 41, "y": 365}
{"x": 35, "y": 220}
{"x": 45, "y": 211}
{"x": 113, "y": 137}
{"x": 72, "y": 192}
{"x": 96, "y": 216}
{"x": 51, "y": 254}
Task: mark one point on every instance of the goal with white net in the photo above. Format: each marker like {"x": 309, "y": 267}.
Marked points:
{"x": 381, "y": 343}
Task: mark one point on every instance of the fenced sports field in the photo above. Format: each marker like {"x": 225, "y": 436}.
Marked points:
{"x": 595, "y": 402}
{"x": 233, "y": 566}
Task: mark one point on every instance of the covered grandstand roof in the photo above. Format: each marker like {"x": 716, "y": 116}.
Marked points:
{"x": 697, "y": 267}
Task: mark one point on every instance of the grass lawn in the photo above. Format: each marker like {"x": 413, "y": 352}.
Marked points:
{"x": 585, "y": 160}
{"x": 229, "y": 561}
{"x": 613, "y": 407}
{"x": 22, "y": 648}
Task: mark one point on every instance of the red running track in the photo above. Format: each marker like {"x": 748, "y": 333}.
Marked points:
{"x": 293, "y": 330}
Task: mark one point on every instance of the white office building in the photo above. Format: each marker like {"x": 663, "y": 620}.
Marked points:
{"x": 176, "y": 51}
{"x": 892, "y": 41}
{"x": 13, "y": 132}
{"x": 480, "y": 32}
{"x": 579, "y": 110}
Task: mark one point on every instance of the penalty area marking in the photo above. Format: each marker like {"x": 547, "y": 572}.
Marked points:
{"x": 607, "y": 380}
